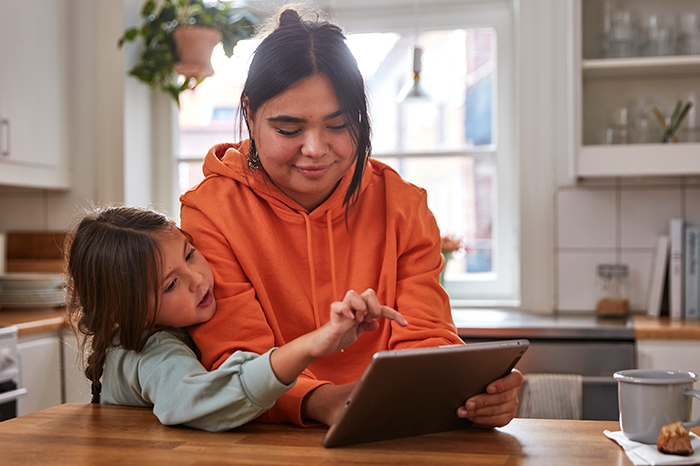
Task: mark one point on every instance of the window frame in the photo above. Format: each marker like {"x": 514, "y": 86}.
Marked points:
{"x": 364, "y": 16}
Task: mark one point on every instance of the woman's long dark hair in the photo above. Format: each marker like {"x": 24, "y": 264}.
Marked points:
{"x": 113, "y": 276}
{"x": 299, "y": 48}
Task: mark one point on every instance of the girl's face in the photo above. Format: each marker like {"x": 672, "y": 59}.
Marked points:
{"x": 187, "y": 287}
{"x": 302, "y": 140}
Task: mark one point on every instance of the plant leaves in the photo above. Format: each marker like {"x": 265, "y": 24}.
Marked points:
{"x": 659, "y": 116}
{"x": 159, "y": 21}
{"x": 676, "y": 112}
{"x": 148, "y": 8}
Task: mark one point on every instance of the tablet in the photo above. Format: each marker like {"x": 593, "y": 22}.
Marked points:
{"x": 417, "y": 391}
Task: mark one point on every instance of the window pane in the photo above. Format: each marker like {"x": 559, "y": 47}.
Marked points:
{"x": 460, "y": 195}
{"x": 456, "y": 116}
{"x": 457, "y": 68}
{"x": 208, "y": 114}
{"x": 189, "y": 174}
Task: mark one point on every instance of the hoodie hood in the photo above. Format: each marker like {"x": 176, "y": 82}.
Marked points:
{"x": 230, "y": 160}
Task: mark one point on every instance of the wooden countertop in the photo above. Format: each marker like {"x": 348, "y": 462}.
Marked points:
{"x": 37, "y": 321}
{"x": 73, "y": 433}
{"x": 664, "y": 328}
{"x": 33, "y": 321}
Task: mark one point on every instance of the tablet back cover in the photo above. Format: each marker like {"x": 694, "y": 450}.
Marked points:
{"x": 417, "y": 391}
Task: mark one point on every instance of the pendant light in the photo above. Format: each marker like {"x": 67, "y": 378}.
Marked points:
{"x": 413, "y": 91}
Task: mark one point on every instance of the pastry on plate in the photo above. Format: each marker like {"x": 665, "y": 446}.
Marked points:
{"x": 675, "y": 440}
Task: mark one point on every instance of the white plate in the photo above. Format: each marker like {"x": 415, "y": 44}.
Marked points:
{"x": 32, "y": 299}
{"x": 23, "y": 281}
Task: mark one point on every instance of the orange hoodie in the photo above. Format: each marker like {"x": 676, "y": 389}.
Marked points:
{"x": 278, "y": 267}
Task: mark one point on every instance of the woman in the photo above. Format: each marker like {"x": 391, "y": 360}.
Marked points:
{"x": 297, "y": 215}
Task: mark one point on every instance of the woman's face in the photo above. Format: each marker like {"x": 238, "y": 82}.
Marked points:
{"x": 302, "y": 140}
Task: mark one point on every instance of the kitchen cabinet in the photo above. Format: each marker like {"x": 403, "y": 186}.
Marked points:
{"x": 33, "y": 94}
{"x": 610, "y": 99}
{"x": 41, "y": 372}
{"x": 681, "y": 355}
{"x": 76, "y": 388}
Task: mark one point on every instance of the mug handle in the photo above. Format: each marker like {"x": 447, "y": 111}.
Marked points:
{"x": 696, "y": 394}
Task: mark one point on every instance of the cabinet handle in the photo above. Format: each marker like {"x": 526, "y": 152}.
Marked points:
{"x": 5, "y": 137}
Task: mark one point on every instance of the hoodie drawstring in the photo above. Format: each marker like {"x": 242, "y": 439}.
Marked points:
{"x": 329, "y": 225}
{"x": 317, "y": 318}
{"x": 309, "y": 248}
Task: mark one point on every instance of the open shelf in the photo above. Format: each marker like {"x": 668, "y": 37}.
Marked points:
{"x": 641, "y": 66}
{"x": 639, "y": 160}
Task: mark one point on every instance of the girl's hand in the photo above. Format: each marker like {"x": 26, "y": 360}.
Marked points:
{"x": 350, "y": 318}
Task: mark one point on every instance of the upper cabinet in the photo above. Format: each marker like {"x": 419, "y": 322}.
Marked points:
{"x": 33, "y": 88}
{"x": 630, "y": 63}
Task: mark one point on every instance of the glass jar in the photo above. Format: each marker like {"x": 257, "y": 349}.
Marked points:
{"x": 613, "y": 300}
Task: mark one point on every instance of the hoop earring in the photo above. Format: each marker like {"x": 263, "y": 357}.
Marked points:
{"x": 253, "y": 158}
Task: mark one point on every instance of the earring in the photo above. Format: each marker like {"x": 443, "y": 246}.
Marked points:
{"x": 253, "y": 158}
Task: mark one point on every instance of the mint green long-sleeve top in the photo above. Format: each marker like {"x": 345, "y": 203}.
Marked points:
{"x": 167, "y": 376}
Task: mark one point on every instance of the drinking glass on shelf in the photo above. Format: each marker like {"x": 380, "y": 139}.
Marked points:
{"x": 618, "y": 131}
{"x": 622, "y": 36}
{"x": 657, "y": 36}
{"x": 688, "y": 34}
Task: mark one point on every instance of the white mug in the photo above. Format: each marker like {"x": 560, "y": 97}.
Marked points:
{"x": 651, "y": 399}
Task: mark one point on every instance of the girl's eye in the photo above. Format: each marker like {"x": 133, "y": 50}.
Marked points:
{"x": 190, "y": 255}
{"x": 288, "y": 133}
{"x": 338, "y": 128}
{"x": 170, "y": 287}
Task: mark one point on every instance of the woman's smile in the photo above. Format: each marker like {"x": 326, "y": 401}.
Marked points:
{"x": 314, "y": 171}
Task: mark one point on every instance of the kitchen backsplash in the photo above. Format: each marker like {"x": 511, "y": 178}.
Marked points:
{"x": 41, "y": 209}
{"x": 616, "y": 221}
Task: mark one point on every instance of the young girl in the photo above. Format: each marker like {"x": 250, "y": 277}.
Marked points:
{"x": 135, "y": 280}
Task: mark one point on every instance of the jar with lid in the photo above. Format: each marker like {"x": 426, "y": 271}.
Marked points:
{"x": 613, "y": 300}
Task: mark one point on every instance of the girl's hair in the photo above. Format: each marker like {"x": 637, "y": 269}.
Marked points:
{"x": 114, "y": 262}
{"x": 299, "y": 48}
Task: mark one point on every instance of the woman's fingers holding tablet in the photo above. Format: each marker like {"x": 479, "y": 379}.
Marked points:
{"x": 498, "y": 405}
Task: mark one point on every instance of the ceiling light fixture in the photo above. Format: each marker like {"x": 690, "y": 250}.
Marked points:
{"x": 413, "y": 90}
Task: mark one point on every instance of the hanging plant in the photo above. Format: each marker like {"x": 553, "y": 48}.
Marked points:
{"x": 162, "y": 59}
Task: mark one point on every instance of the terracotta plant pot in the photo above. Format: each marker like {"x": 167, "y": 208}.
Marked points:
{"x": 194, "y": 48}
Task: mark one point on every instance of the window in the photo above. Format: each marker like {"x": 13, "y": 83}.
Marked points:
{"x": 457, "y": 142}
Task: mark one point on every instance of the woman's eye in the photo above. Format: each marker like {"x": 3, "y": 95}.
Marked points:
{"x": 288, "y": 133}
{"x": 190, "y": 255}
{"x": 338, "y": 128}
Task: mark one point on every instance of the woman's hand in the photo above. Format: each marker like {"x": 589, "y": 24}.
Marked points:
{"x": 498, "y": 405}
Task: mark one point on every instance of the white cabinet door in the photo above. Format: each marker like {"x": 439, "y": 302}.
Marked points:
{"x": 33, "y": 94}
{"x": 41, "y": 372}
{"x": 76, "y": 386}
{"x": 674, "y": 355}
